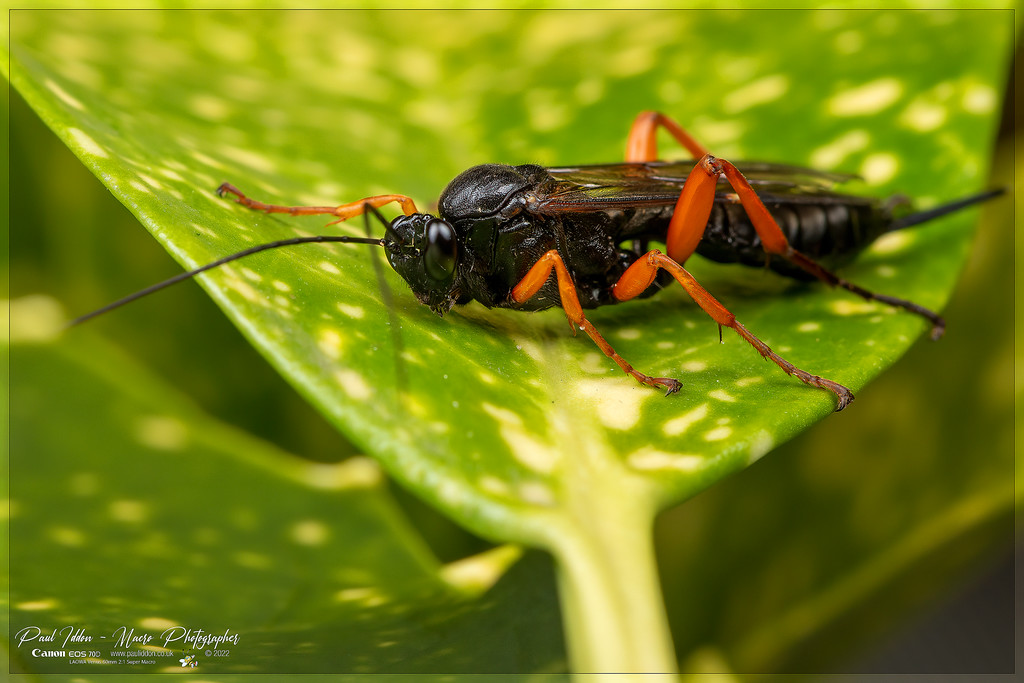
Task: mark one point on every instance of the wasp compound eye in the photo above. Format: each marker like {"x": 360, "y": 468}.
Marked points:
{"x": 439, "y": 259}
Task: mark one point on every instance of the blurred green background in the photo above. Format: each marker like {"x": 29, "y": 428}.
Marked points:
{"x": 942, "y": 408}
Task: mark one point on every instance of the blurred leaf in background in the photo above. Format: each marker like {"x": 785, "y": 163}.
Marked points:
{"x": 178, "y": 522}
{"x": 783, "y": 553}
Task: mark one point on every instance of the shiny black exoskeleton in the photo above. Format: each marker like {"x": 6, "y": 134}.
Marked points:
{"x": 495, "y": 221}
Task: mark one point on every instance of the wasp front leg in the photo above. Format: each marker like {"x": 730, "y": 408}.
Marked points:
{"x": 343, "y": 212}
{"x": 536, "y": 278}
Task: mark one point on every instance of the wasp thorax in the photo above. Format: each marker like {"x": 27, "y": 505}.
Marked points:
{"x": 423, "y": 249}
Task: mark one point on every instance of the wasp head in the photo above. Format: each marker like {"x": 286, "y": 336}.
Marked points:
{"x": 423, "y": 249}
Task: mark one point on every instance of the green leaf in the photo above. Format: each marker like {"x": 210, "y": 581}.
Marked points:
{"x": 505, "y": 421}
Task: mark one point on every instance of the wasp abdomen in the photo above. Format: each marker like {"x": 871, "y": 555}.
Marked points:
{"x": 829, "y": 231}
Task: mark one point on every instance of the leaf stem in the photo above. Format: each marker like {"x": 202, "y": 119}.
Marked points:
{"x": 610, "y": 591}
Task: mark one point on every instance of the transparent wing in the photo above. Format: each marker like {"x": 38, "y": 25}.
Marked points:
{"x": 621, "y": 186}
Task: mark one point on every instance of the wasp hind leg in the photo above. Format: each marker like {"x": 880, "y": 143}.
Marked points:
{"x": 639, "y": 276}
{"x": 774, "y": 242}
{"x": 535, "y": 279}
{"x": 686, "y": 228}
{"x": 693, "y": 207}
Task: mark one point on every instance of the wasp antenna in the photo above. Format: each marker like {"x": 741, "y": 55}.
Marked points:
{"x": 390, "y": 231}
{"x": 219, "y": 262}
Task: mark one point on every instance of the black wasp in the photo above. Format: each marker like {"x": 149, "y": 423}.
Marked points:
{"x": 503, "y": 230}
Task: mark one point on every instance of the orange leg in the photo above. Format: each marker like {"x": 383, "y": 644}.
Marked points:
{"x": 693, "y": 208}
{"x": 690, "y": 216}
{"x": 695, "y": 201}
{"x": 774, "y": 242}
{"x": 343, "y": 212}
{"x": 642, "y": 144}
{"x": 641, "y": 274}
{"x": 536, "y": 278}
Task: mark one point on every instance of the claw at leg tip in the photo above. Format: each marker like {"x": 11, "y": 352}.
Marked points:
{"x": 844, "y": 400}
